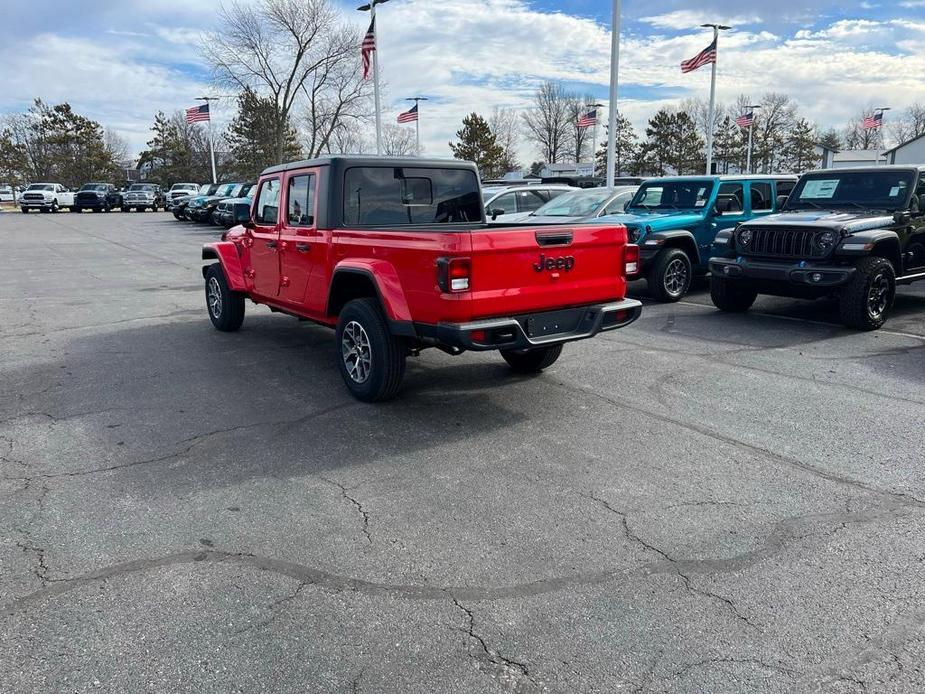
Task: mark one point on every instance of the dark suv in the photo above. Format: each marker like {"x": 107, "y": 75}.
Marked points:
{"x": 97, "y": 197}
{"x": 852, "y": 234}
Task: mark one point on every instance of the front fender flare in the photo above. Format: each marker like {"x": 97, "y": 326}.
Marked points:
{"x": 227, "y": 254}
{"x": 668, "y": 238}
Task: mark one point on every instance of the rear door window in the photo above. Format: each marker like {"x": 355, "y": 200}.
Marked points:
{"x": 401, "y": 196}
{"x": 267, "y": 212}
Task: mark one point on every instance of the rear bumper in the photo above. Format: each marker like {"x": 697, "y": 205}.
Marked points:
{"x": 535, "y": 329}
{"x": 802, "y": 274}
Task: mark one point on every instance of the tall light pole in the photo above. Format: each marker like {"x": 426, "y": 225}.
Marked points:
{"x": 371, "y": 7}
{"x": 751, "y": 126}
{"x": 716, "y": 29}
{"x": 882, "y": 109}
{"x": 417, "y": 122}
{"x": 208, "y": 100}
{"x": 597, "y": 120}
{"x": 614, "y": 73}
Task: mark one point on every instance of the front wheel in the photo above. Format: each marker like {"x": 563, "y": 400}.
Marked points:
{"x": 226, "y": 307}
{"x": 670, "y": 277}
{"x": 867, "y": 299}
{"x": 731, "y": 295}
{"x": 370, "y": 358}
{"x": 531, "y": 360}
{"x": 25, "y": 210}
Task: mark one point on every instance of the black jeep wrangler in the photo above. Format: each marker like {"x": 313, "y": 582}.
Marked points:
{"x": 852, "y": 234}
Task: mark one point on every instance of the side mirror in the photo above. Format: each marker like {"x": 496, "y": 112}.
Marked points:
{"x": 495, "y": 211}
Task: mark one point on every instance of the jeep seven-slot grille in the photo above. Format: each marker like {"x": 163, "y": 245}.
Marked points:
{"x": 772, "y": 242}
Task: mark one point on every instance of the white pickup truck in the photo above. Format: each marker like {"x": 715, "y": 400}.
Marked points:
{"x": 47, "y": 197}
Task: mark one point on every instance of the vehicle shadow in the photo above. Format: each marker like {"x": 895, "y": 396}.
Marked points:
{"x": 180, "y": 401}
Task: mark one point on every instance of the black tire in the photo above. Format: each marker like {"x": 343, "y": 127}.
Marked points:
{"x": 97, "y": 209}
{"x": 123, "y": 208}
{"x": 531, "y": 360}
{"x": 54, "y": 207}
{"x": 107, "y": 208}
{"x": 730, "y": 295}
{"x": 866, "y": 300}
{"x": 225, "y": 307}
{"x": 372, "y": 372}
{"x": 670, "y": 276}
{"x": 25, "y": 210}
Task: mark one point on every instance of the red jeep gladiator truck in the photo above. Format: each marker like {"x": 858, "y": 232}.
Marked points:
{"x": 396, "y": 256}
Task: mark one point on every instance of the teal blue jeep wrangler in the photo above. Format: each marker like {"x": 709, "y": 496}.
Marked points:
{"x": 675, "y": 221}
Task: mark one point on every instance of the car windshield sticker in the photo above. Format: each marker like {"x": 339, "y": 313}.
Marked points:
{"x": 894, "y": 191}
{"x": 819, "y": 189}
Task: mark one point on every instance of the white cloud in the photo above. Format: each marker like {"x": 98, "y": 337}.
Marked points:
{"x": 681, "y": 20}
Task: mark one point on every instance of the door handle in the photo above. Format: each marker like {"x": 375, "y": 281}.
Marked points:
{"x": 271, "y": 244}
{"x": 302, "y": 247}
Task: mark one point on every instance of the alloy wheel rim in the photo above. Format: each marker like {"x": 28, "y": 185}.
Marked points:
{"x": 356, "y": 352}
{"x": 215, "y": 298}
{"x": 675, "y": 277}
{"x": 878, "y": 297}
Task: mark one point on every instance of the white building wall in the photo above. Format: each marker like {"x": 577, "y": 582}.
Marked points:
{"x": 910, "y": 153}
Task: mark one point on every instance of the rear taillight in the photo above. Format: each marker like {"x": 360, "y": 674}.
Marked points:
{"x": 453, "y": 274}
{"x": 631, "y": 259}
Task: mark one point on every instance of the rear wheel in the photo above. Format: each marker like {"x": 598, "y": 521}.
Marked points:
{"x": 226, "y": 307}
{"x": 731, "y": 295}
{"x": 531, "y": 360}
{"x": 370, "y": 358}
{"x": 865, "y": 301}
{"x": 670, "y": 276}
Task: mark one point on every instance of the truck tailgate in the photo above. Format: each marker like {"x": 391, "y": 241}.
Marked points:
{"x": 526, "y": 269}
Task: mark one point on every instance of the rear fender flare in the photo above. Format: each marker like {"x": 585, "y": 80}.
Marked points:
{"x": 384, "y": 279}
{"x": 226, "y": 254}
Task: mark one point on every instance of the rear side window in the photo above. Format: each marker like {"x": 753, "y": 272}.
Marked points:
{"x": 268, "y": 202}
{"x": 761, "y": 197}
{"x": 301, "y": 201}
{"x": 399, "y": 196}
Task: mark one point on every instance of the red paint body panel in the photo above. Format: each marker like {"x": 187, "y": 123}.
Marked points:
{"x": 507, "y": 276}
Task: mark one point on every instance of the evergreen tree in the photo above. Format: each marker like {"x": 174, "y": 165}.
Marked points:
{"x": 252, "y": 137}
{"x": 13, "y": 160}
{"x": 800, "y": 150}
{"x": 178, "y": 151}
{"x": 672, "y": 145}
{"x": 477, "y": 143}
{"x": 729, "y": 147}
{"x": 830, "y": 139}
{"x": 625, "y": 148}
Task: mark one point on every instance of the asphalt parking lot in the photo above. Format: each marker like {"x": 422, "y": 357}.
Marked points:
{"x": 698, "y": 503}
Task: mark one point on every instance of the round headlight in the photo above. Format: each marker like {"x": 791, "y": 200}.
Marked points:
{"x": 745, "y": 237}
{"x": 825, "y": 240}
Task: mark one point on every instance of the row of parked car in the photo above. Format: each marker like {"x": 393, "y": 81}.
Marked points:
{"x": 848, "y": 234}
{"x": 220, "y": 204}
{"x": 98, "y": 197}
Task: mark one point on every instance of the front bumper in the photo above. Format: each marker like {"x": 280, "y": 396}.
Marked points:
{"x": 36, "y": 203}
{"x": 802, "y": 274}
{"x": 90, "y": 204}
{"x": 532, "y": 330}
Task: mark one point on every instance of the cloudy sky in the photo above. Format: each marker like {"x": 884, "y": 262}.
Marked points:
{"x": 120, "y": 61}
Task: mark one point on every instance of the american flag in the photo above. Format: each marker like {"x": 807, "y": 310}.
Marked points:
{"x": 368, "y": 46}
{"x": 587, "y": 120}
{"x": 873, "y": 122}
{"x": 746, "y": 120}
{"x": 409, "y": 116}
{"x": 197, "y": 114}
{"x": 705, "y": 57}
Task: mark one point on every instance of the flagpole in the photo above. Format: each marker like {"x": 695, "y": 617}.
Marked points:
{"x": 417, "y": 122}
{"x": 614, "y": 73}
{"x": 748, "y": 161}
{"x": 209, "y": 99}
{"x": 596, "y": 106}
{"x": 372, "y": 12}
{"x": 716, "y": 28}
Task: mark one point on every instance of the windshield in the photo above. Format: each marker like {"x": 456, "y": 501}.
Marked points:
{"x": 94, "y": 186}
{"x": 184, "y": 186}
{"x": 224, "y": 190}
{"x": 146, "y": 187}
{"x": 581, "y": 203}
{"x": 40, "y": 186}
{"x": 674, "y": 195}
{"x": 873, "y": 190}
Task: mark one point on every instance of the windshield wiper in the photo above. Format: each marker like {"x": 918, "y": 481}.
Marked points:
{"x": 810, "y": 202}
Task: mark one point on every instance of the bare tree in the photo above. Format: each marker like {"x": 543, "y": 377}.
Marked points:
{"x": 504, "y": 124}
{"x": 348, "y": 139}
{"x": 580, "y": 139}
{"x": 397, "y": 141}
{"x": 773, "y": 123}
{"x": 116, "y": 145}
{"x": 856, "y": 136}
{"x": 279, "y": 48}
{"x": 908, "y": 125}
{"x": 547, "y": 123}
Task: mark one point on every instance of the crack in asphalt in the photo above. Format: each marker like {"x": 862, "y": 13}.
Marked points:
{"x": 512, "y": 672}
{"x": 359, "y": 507}
{"x": 754, "y": 448}
{"x": 191, "y": 442}
{"x": 737, "y": 661}
{"x": 42, "y": 571}
{"x": 673, "y": 563}
{"x": 273, "y": 606}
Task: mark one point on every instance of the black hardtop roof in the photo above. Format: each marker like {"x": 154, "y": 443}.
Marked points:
{"x": 370, "y": 160}
{"x": 865, "y": 169}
